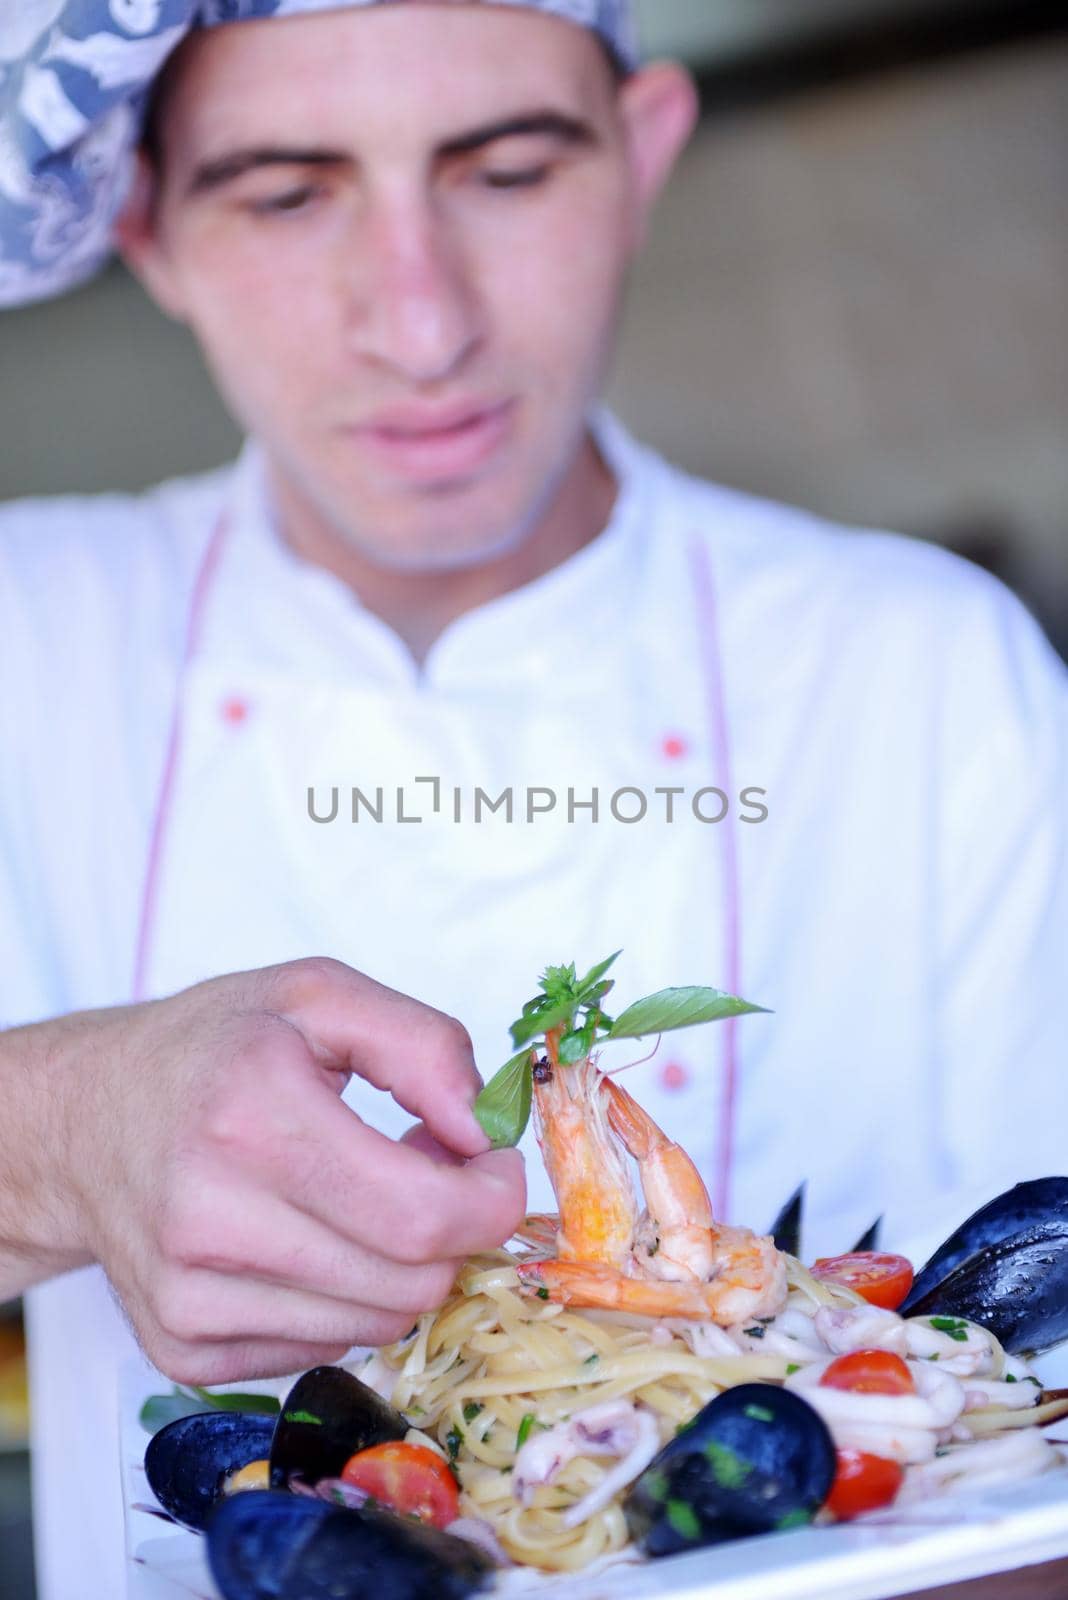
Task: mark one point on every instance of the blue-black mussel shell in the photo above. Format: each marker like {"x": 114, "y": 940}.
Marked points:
{"x": 326, "y": 1417}
{"x": 1005, "y": 1268}
{"x": 187, "y": 1461}
{"x": 754, "y": 1460}
{"x": 263, "y": 1545}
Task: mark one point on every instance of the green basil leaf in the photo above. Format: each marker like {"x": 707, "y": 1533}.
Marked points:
{"x": 573, "y": 1047}
{"x": 264, "y": 1404}
{"x": 159, "y": 1409}
{"x": 594, "y": 974}
{"x": 503, "y": 1107}
{"x": 537, "y": 1023}
{"x": 677, "y": 1008}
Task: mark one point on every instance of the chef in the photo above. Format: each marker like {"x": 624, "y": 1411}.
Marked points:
{"x": 445, "y": 679}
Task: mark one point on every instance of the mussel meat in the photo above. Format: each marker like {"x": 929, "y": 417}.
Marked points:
{"x": 326, "y": 1417}
{"x": 268, "y": 1546}
{"x": 755, "y": 1459}
{"x": 188, "y": 1461}
{"x": 1005, "y": 1268}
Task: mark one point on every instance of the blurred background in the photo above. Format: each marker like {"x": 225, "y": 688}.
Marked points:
{"x": 854, "y": 300}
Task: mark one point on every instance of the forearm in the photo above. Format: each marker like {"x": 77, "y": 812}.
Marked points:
{"x": 42, "y": 1067}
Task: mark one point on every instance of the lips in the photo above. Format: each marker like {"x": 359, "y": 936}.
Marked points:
{"x": 439, "y": 444}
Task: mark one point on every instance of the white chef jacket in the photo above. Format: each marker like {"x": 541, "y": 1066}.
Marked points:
{"x": 175, "y": 681}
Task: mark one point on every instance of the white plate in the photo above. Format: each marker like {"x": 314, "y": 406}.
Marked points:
{"x": 890, "y": 1554}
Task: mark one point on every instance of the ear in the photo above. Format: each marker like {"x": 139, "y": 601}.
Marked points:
{"x": 659, "y": 108}
{"x": 139, "y": 241}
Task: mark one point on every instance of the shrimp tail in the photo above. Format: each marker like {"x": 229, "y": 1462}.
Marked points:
{"x": 752, "y": 1283}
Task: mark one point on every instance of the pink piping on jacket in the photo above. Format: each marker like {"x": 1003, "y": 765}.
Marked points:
{"x": 165, "y": 797}
{"x": 705, "y": 601}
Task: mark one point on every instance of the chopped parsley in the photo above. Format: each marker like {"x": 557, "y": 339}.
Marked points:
{"x": 471, "y": 1410}
{"x": 543, "y": 1293}
{"x": 759, "y": 1413}
{"x": 794, "y": 1519}
{"x": 728, "y": 1469}
{"x": 683, "y": 1519}
{"x": 954, "y": 1326}
{"x": 655, "y": 1483}
{"x": 589, "y": 1361}
{"x": 1010, "y": 1377}
{"x": 453, "y": 1440}
{"x": 524, "y": 1430}
{"x": 304, "y": 1416}
{"x": 756, "y": 1332}
{"x": 792, "y": 1367}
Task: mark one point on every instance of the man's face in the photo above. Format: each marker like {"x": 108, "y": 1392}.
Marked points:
{"x": 400, "y": 235}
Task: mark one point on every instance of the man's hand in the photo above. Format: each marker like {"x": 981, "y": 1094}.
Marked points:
{"x": 198, "y": 1148}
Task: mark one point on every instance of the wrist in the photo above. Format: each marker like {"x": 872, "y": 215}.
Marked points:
{"x": 43, "y": 1225}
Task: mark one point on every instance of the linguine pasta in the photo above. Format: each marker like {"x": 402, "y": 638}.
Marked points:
{"x": 493, "y": 1365}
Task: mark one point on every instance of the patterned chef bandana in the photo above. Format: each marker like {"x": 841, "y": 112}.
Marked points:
{"x": 74, "y": 80}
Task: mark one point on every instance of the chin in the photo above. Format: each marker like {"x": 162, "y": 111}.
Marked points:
{"x": 434, "y": 553}
{"x": 461, "y": 537}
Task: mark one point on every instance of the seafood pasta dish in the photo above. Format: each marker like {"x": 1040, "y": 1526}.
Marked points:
{"x": 633, "y": 1377}
{"x": 552, "y": 1404}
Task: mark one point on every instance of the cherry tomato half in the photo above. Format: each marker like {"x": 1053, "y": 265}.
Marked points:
{"x": 882, "y": 1280}
{"x": 862, "y": 1483}
{"x": 869, "y": 1372}
{"x": 407, "y": 1478}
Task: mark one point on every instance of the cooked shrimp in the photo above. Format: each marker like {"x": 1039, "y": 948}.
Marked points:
{"x": 674, "y": 1237}
{"x": 672, "y": 1260}
{"x": 586, "y": 1167}
{"x": 749, "y": 1281}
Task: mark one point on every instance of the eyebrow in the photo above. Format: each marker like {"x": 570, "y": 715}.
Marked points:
{"x": 224, "y": 169}
{"x": 212, "y": 174}
{"x": 544, "y": 124}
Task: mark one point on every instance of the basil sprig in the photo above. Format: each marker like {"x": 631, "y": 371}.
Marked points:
{"x": 572, "y": 1006}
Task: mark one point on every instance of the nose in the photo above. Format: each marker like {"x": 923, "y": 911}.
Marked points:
{"x": 413, "y": 302}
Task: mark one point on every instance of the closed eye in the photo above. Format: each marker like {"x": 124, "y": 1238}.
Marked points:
{"x": 525, "y": 178}
{"x": 289, "y": 200}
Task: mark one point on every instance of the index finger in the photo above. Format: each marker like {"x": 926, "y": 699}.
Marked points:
{"x": 420, "y": 1056}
